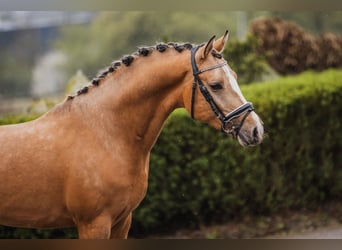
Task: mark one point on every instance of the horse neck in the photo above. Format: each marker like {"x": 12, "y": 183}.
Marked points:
{"x": 135, "y": 101}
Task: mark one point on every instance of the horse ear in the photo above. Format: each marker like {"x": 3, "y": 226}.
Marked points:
{"x": 221, "y": 42}
{"x": 208, "y": 47}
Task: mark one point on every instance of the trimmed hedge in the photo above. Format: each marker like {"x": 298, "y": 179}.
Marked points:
{"x": 249, "y": 65}
{"x": 198, "y": 175}
{"x": 12, "y": 119}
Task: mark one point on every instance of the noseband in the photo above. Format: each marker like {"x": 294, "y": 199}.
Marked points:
{"x": 227, "y": 124}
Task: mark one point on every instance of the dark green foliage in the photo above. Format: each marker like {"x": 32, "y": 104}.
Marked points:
{"x": 290, "y": 50}
{"x": 243, "y": 59}
{"x": 25, "y": 233}
{"x": 198, "y": 175}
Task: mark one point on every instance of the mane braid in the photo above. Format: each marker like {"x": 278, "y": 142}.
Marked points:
{"x": 95, "y": 81}
{"x": 143, "y": 51}
{"x": 128, "y": 59}
{"x": 82, "y": 90}
{"x": 104, "y": 73}
{"x": 161, "y": 47}
{"x": 116, "y": 64}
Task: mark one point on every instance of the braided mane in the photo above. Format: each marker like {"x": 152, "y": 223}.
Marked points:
{"x": 128, "y": 59}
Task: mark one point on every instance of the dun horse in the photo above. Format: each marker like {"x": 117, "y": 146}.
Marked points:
{"x": 85, "y": 163}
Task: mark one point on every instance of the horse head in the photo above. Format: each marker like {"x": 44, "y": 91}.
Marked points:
{"x": 215, "y": 97}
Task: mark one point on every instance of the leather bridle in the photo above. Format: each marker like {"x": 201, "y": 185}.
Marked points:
{"x": 227, "y": 121}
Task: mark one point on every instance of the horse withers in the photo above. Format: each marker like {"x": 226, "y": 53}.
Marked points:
{"x": 85, "y": 162}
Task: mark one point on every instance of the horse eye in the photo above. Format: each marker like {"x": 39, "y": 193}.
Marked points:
{"x": 216, "y": 86}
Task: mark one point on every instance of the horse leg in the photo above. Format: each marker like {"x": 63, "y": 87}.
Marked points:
{"x": 99, "y": 228}
{"x": 120, "y": 230}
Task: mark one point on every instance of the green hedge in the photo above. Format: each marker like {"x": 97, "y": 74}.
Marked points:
{"x": 249, "y": 65}
{"x": 12, "y": 119}
{"x": 198, "y": 175}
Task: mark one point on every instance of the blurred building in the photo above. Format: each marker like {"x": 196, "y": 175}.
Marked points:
{"x": 16, "y": 20}
{"x": 26, "y": 44}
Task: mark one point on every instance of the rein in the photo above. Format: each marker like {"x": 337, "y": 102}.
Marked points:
{"x": 227, "y": 124}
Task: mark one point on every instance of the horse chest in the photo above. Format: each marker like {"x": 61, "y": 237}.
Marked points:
{"x": 130, "y": 183}
{"x": 131, "y": 193}
{"x": 116, "y": 192}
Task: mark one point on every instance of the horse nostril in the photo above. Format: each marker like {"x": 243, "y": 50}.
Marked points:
{"x": 255, "y": 133}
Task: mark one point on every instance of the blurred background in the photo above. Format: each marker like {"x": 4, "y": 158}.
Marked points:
{"x": 288, "y": 65}
{"x": 41, "y": 51}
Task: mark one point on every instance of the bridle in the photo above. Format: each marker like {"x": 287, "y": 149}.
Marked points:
{"x": 227, "y": 124}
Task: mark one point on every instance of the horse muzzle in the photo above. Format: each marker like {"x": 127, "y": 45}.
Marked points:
{"x": 251, "y": 135}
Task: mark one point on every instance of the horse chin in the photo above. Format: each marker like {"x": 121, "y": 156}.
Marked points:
{"x": 244, "y": 142}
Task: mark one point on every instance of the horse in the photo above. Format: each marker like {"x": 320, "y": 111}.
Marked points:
{"x": 85, "y": 162}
